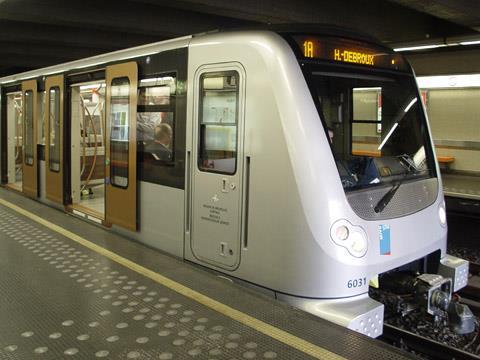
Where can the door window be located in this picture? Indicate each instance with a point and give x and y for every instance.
(29, 145)
(218, 122)
(119, 132)
(54, 129)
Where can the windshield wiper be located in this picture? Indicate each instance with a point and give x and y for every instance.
(385, 200)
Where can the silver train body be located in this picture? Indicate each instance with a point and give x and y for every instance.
(281, 219)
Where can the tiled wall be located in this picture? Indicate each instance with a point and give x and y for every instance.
(454, 114)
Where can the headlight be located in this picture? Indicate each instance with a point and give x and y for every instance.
(351, 237)
(442, 214)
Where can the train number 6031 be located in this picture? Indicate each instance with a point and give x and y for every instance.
(354, 283)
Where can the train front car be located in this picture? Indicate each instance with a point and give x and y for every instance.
(387, 220)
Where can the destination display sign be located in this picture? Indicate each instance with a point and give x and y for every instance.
(348, 52)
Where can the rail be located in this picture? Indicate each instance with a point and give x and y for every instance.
(423, 345)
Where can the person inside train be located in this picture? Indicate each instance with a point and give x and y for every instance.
(160, 148)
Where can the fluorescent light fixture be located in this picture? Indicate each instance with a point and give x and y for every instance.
(155, 80)
(414, 100)
(476, 42)
(388, 136)
(420, 47)
(367, 89)
(449, 81)
(7, 82)
(91, 87)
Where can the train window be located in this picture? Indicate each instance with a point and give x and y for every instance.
(218, 122)
(41, 117)
(28, 111)
(54, 133)
(119, 131)
(156, 126)
(368, 116)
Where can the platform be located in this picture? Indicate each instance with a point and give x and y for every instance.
(74, 290)
(461, 186)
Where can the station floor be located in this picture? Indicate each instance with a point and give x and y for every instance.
(70, 289)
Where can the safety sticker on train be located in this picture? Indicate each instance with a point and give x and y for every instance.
(384, 236)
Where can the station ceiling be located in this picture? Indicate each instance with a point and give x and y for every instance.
(35, 33)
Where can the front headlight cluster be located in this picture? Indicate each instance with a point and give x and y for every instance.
(351, 237)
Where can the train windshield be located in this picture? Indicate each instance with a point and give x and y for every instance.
(374, 122)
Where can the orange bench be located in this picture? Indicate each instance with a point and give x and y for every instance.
(445, 161)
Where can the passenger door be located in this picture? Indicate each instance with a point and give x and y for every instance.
(121, 145)
(217, 165)
(30, 182)
(54, 86)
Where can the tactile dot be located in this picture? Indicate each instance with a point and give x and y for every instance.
(270, 355)
(172, 312)
(113, 338)
(94, 324)
(122, 325)
(165, 356)
(249, 355)
(163, 333)
(83, 337)
(199, 342)
(106, 297)
(215, 336)
(169, 325)
(71, 351)
(142, 340)
(185, 319)
(234, 336)
(133, 303)
(41, 350)
(139, 317)
(133, 355)
(117, 303)
(163, 299)
(137, 293)
(231, 345)
(183, 333)
(159, 306)
(56, 335)
(218, 328)
(127, 310)
(251, 345)
(194, 352)
(102, 353)
(202, 320)
(67, 323)
(178, 342)
(142, 287)
(151, 325)
(152, 293)
(10, 348)
(199, 328)
(188, 312)
(147, 299)
(215, 352)
(27, 334)
(156, 317)
(144, 310)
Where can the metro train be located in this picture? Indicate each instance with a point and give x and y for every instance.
(299, 162)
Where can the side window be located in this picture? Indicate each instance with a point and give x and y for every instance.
(119, 132)
(156, 125)
(54, 126)
(218, 122)
(28, 111)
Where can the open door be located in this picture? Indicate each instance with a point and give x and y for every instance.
(29, 94)
(121, 145)
(54, 86)
(217, 167)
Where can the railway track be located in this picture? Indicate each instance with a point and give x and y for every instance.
(423, 346)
